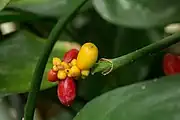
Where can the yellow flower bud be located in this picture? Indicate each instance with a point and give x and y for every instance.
(65, 65)
(56, 61)
(70, 65)
(73, 62)
(55, 68)
(61, 74)
(67, 71)
(60, 67)
(69, 74)
(87, 56)
(85, 72)
(74, 72)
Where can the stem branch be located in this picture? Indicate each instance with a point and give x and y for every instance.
(107, 65)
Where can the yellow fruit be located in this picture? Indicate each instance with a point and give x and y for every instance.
(65, 65)
(87, 56)
(73, 62)
(55, 68)
(74, 72)
(61, 75)
(85, 72)
(56, 61)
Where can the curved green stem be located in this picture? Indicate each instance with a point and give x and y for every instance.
(107, 65)
(38, 73)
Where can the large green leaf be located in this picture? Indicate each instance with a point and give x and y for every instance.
(42, 7)
(138, 13)
(154, 100)
(19, 55)
(3, 3)
(53, 8)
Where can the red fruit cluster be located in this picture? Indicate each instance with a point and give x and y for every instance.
(171, 64)
(66, 90)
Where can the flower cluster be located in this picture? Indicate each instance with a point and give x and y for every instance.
(75, 65)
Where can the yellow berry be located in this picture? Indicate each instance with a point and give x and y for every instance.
(74, 71)
(56, 61)
(85, 72)
(73, 62)
(61, 75)
(87, 56)
(65, 65)
(55, 68)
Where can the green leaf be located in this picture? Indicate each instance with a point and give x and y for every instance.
(41, 7)
(138, 13)
(52, 8)
(19, 55)
(157, 99)
(3, 4)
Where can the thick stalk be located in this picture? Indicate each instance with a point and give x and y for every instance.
(75, 5)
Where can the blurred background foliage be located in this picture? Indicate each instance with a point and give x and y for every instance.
(117, 27)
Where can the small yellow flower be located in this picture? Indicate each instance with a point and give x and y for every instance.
(85, 72)
(69, 74)
(56, 61)
(70, 65)
(55, 68)
(61, 74)
(67, 71)
(60, 67)
(65, 65)
(73, 62)
(74, 72)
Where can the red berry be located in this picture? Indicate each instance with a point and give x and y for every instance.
(52, 76)
(66, 91)
(171, 64)
(70, 55)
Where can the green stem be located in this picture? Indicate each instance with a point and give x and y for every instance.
(39, 70)
(107, 65)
